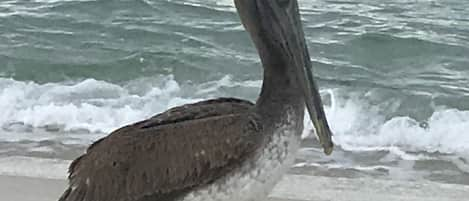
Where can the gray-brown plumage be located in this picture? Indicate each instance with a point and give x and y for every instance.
(176, 147)
(193, 147)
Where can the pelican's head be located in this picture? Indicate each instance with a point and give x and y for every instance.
(276, 30)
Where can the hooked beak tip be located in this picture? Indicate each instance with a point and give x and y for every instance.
(328, 149)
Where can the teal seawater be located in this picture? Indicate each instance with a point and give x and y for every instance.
(394, 75)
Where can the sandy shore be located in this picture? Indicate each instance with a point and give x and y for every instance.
(291, 188)
(30, 189)
(312, 188)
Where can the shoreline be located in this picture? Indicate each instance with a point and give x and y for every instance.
(290, 188)
(19, 188)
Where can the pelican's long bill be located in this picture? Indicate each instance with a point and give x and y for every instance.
(282, 18)
(302, 63)
(275, 27)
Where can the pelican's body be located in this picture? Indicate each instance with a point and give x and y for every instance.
(256, 175)
(216, 150)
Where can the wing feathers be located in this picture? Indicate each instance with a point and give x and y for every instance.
(157, 159)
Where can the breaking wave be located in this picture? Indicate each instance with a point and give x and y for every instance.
(93, 106)
(358, 125)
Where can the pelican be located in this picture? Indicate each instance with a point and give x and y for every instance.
(223, 149)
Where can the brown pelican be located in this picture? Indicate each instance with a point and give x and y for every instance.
(221, 149)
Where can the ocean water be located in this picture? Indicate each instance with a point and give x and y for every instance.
(394, 76)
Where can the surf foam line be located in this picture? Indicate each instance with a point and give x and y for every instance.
(34, 167)
(357, 127)
(89, 105)
(99, 107)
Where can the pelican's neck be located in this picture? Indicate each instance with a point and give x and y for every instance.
(280, 90)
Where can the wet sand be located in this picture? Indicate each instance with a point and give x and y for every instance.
(313, 188)
(291, 188)
(30, 189)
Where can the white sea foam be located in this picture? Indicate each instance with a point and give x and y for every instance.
(92, 105)
(34, 167)
(359, 126)
(99, 106)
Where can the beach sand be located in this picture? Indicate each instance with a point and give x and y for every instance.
(14, 188)
(291, 188)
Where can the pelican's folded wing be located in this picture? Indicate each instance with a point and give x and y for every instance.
(166, 155)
